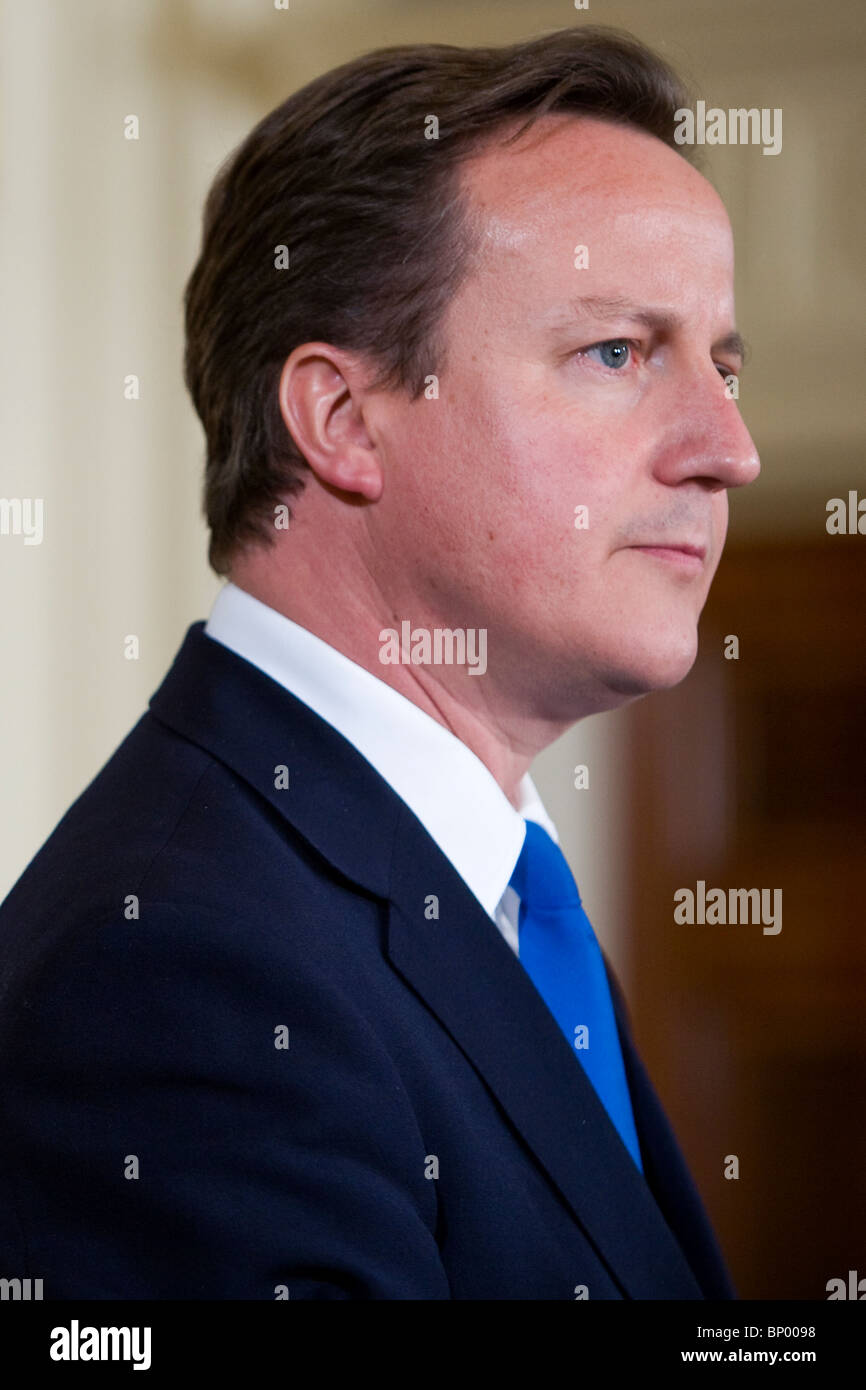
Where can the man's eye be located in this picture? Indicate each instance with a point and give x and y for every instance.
(614, 353)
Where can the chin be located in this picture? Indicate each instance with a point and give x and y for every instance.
(658, 668)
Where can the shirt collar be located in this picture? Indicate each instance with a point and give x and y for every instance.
(449, 789)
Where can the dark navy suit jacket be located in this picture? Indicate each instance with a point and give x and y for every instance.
(427, 1133)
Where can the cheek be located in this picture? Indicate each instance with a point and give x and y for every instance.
(561, 450)
(493, 470)
(569, 481)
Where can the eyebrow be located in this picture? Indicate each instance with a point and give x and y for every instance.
(595, 306)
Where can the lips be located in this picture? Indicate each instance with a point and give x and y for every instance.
(697, 552)
(683, 559)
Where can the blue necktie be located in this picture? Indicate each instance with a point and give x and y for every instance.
(562, 957)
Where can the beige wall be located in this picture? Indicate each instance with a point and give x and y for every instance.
(99, 233)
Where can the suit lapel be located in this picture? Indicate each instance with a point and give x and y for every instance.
(455, 962)
(458, 961)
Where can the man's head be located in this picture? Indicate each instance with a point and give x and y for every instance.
(441, 379)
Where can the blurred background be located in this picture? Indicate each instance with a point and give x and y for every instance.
(750, 774)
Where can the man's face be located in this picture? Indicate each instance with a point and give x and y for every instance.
(599, 387)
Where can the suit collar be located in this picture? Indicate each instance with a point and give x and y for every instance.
(341, 807)
(447, 786)
(336, 801)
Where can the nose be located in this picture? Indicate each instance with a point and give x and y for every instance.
(710, 440)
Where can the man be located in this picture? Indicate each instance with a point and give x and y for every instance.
(299, 999)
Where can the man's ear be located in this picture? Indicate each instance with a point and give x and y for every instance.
(320, 394)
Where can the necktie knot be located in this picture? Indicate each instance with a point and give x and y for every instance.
(542, 879)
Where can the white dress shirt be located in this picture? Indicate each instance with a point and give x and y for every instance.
(454, 796)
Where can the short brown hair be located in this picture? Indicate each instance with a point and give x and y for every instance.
(379, 237)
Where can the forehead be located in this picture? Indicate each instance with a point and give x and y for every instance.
(569, 180)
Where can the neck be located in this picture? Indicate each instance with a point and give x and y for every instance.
(351, 620)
